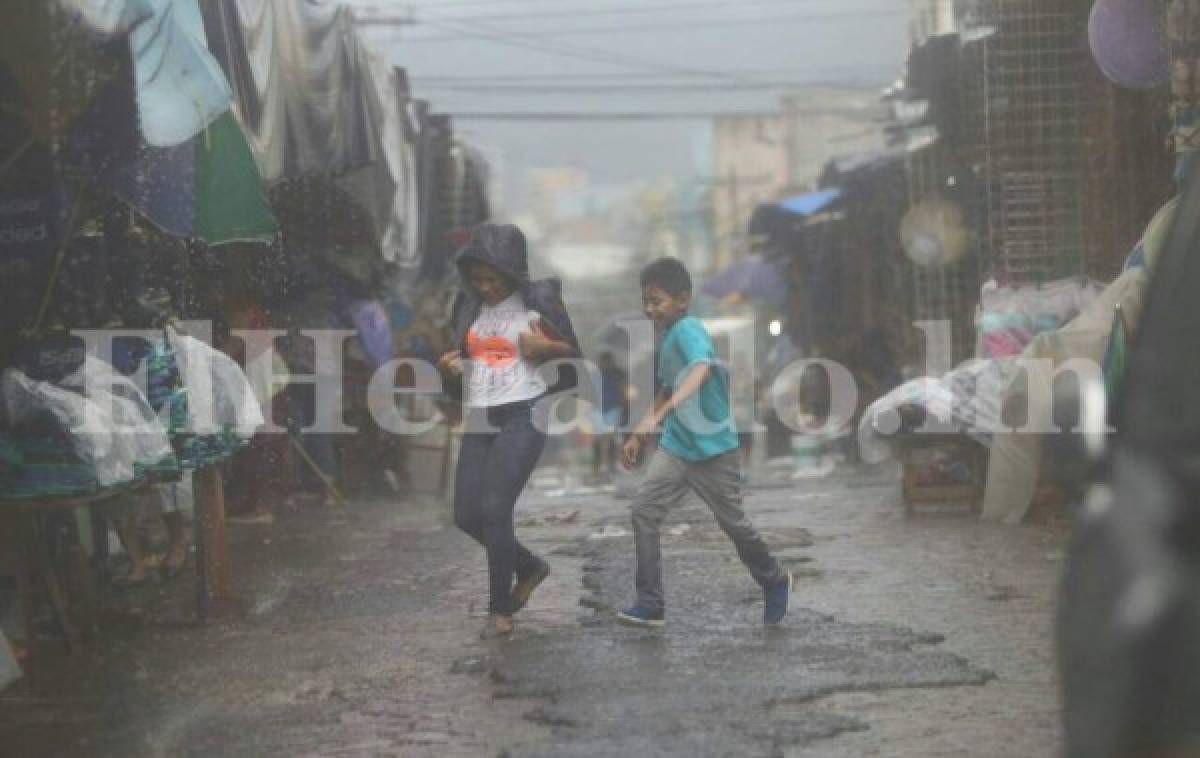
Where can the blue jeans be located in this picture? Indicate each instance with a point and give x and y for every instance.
(493, 468)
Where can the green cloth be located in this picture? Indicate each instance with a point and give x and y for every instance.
(231, 205)
(703, 427)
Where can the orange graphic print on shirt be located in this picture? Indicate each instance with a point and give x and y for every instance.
(496, 351)
(496, 372)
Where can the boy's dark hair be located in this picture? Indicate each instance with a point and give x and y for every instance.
(669, 275)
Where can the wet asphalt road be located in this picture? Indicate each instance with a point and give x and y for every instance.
(908, 637)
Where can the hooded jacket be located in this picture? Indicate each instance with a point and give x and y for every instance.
(503, 247)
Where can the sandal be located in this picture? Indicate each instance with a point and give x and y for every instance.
(524, 588)
(497, 627)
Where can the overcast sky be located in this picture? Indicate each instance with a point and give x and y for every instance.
(750, 49)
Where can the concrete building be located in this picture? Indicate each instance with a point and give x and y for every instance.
(750, 166)
(928, 18)
(760, 158)
(829, 123)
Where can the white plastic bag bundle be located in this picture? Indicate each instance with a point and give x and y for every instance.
(220, 397)
(967, 400)
(137, 430)
(109, 420)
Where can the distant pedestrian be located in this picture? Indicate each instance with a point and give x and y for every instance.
(698, 450)
(505, 326)
(611, 416)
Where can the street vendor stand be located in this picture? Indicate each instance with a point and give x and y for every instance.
(921, 486)
(70, 587)
(104, 110)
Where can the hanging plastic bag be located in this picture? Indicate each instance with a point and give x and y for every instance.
(138, 434)
(220, 397)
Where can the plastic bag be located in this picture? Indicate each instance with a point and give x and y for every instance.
(111, 427)
(220, 397)
(374, 331)
(1008, 318)
(967, 400)
(138, 434)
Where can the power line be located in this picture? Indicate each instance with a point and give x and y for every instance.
(475, 3)
(592, 77)
(499, 36)
(574, 116)
(677, 26)
(616, 88)
(637, 9)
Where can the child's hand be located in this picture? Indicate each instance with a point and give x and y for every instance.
(536, 345)
(631, 452)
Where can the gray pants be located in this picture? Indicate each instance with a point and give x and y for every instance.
(718, 483)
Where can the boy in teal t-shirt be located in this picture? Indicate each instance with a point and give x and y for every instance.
(698, 449)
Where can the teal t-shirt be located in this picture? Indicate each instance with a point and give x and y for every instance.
(703, 427)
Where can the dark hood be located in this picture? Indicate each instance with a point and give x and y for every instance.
(501, 246)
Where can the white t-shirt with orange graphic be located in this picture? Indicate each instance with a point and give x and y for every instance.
(496, 372)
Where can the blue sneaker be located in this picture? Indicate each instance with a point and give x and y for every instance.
(775, 598)
(639, 616)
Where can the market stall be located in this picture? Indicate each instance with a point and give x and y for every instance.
(96, 142)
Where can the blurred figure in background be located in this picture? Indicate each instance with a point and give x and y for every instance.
(610, 417)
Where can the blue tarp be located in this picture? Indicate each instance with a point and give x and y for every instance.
(812, 203)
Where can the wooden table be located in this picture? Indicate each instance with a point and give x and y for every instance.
(72, 594)
(914, 455)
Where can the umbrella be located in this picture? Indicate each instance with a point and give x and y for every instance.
(188, 169)
(753, 278)
(208, 188)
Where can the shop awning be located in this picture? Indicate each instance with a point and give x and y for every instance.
(812, 203)
(783, 221)
(207, 188)
(316, 101)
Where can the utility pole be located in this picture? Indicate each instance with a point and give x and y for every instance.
(735, 212)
